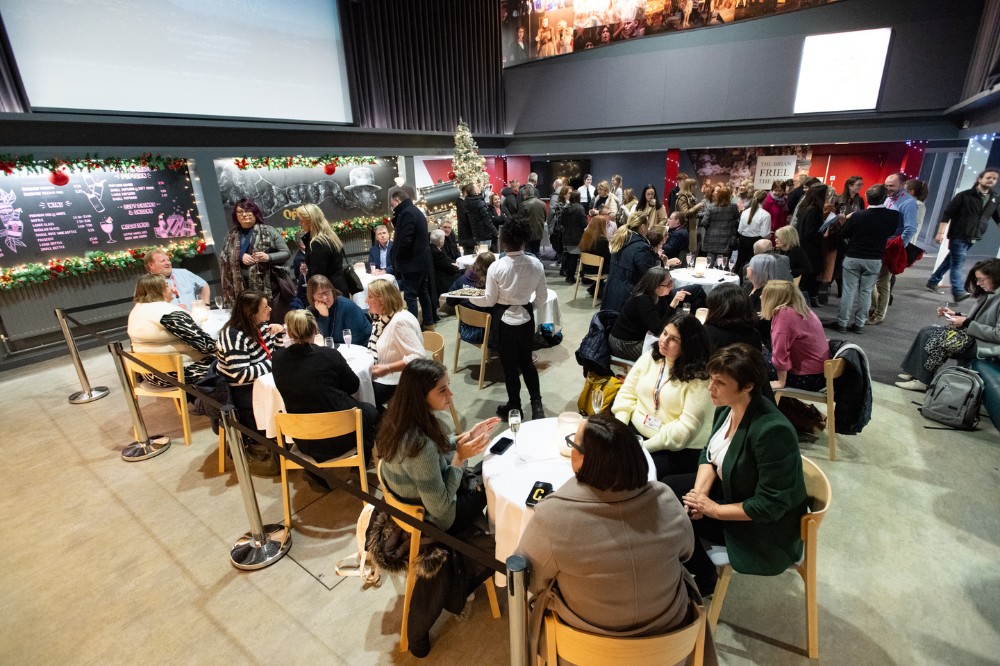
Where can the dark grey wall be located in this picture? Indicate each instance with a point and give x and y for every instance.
(636, 169)
(741, 72)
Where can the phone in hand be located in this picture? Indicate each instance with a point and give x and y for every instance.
(502, 445)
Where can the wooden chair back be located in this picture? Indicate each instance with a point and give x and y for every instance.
(434, 344)
(587, 259)
(165, 363)
(471, 317)
(483, 320)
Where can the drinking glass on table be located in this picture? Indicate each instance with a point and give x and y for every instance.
(685, 308)
(596, 399)
(690, 259)
(347, 336)
(514, 421)
(374, 268)
(219, 302)
(331, 343)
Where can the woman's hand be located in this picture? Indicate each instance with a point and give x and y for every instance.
(303, 269)
(261, 257)
(671, 262)
(699, 505)
(468, 446)
(945, 312)
(380, 370)
(322, 308)
(481, 428)
(681, 295)
(248, 260)
(958, 322)
(275, 329)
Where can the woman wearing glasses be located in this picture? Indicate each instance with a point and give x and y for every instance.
(974, 336)
(653, 302)
(336, 313)
(253, 255)
(631, 583)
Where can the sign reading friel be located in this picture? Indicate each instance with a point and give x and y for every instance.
(772, 168)
(98, 210)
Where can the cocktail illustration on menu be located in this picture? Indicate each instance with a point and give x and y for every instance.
(10, 217)
(95, 190)
(107, 226)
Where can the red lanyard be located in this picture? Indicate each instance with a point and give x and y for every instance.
(263, 345)
(656, 391)
(173, 287)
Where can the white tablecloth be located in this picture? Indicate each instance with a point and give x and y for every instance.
(216, 320)
(361, 298)
(547, 314)
(508, 480)
(267, 400)
(465, 261)
(713, 277)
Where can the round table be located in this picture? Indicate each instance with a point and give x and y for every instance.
(549, 313)
(215, 321)
(267, 400)
(713, 277)
(466, 260)
(509, 477)
(361, 298)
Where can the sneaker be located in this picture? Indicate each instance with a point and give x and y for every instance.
(835, 325)
(905, 376)
(912, 385)
(875, 320)
(961, 297)
(858, 330)
(932, 288)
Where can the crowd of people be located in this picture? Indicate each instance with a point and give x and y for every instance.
(697, 400)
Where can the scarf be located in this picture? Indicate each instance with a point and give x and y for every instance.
(258, 277)
(379, 323)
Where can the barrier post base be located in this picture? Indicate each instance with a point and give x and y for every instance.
(249, 554)
(152, 447)
(96, 393)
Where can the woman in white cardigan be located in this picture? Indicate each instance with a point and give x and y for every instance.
(755, 223)
(665, 400)
(396, 338)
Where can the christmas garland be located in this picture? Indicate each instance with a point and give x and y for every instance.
(10, 163)
(92, 262)
(341, 226)
(328, 162)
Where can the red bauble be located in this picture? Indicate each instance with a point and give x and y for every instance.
(329, 169)
(451, 175)
(59, 177)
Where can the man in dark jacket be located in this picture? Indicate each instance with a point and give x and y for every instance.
(411, 257)
(478, 214)
(466, 239)
(677, 241)
(965, 221)
(508, 204)
(532, 209)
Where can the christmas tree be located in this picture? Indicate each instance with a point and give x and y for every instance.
(468, 165)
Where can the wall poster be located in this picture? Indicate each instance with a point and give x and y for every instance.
(730, 166)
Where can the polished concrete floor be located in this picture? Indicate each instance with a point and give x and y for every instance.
(113, 562)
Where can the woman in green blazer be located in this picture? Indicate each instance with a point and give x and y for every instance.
(754, 452)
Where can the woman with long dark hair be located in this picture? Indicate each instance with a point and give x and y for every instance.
(811, 239)
(253, 254)
(646, 312)
(755, 224)
(650, 207)
(731, 318)
(664, 399)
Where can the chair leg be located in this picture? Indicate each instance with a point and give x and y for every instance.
(285, 496)
(831, 426)
(715, 608)
(404, 638)
(458, 343)
(185, 420)
(597, 289)
(222, 451)
(579, 272)
(482, 363)
(491, 594)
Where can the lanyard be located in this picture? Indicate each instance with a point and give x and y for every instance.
(260, 338)
(656, 391)
(173, 287)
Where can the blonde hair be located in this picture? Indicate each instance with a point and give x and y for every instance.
(388, 293)
(603, 185)
(687, 186)
(150, 288)
(635, 222)
(779, 294)
(320, 230)
(301, 325)
(148, 259)
(789, 237)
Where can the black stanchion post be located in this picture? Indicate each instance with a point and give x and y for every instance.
(144, 446)
(517, 609)
(88, 394)
(263, 545)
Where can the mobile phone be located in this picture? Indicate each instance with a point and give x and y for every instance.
(502, 445)
(538, 493)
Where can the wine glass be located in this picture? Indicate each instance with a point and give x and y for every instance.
(724, 263)
(107, 226)
(347, 336)
(596, 399)
(219, 302)
(685, 308)
(514, 421)
(331, 343)
(690, 260)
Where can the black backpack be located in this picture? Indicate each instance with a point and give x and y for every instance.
(954, 398)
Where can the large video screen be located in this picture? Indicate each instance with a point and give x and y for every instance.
(252, 59)
(534, 29)
(858, 57)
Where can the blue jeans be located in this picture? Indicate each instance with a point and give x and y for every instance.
(953, 261)
(859, 280)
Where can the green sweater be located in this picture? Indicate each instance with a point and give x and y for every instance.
(763, 470)
(428, 477)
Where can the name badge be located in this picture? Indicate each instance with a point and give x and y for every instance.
(652, 422)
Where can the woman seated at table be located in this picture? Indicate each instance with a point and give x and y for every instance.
(605, 549)
(444, 269)
(798, 344)
(156, 326)
(473, 278)
(336, 313)
(748, 492)
(595, 241)
(396, 338)
(631, 257)
(312, 379)
(244, 349)
(665, 400)
(421, 463)
(646, 312)
(730, 319)
(976, 335)
(786, 242)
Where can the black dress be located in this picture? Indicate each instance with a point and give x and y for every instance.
(327, 261)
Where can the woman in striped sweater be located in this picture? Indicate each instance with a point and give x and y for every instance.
(244, 350)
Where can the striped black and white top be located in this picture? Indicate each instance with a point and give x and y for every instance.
(241, 358)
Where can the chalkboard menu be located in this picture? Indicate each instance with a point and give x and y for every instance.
(98, 210)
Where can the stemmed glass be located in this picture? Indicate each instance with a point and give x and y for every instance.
(219, 302)
(331, 343)
(347, 336)
(596, 399)
(514, 421)
(690, 260)
(723, 263)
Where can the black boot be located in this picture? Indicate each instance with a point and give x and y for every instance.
(537, 412)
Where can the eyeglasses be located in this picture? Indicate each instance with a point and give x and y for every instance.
(981, 280)
(667, 285)
(245, 213)
(324, 293)
(573, 445)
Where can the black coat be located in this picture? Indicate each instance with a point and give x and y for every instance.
(464, 227)
(325, 260)
(411, 248)
(627, 268)
(508, 205)
(451, 247)
(574, 223)
(479, 218)
(602, 249)
(798, 261)
(497, 217)
(969, 216)
(444, 272)
(811, 239)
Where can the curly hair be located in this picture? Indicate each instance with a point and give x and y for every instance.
(695, 349)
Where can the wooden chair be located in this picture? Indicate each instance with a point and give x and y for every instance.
(820, 495)
(417, 512)
(434, 345)
(586, 649)
(482, 320)
(796, 280)
(587, 259)
(319, 426)
(831, 370)
(164, 363)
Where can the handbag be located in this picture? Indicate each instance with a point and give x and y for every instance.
(351, 278)
(952, 341)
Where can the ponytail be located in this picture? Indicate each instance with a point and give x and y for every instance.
(618, 240)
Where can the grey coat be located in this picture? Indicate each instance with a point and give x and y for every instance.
(984, 325)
